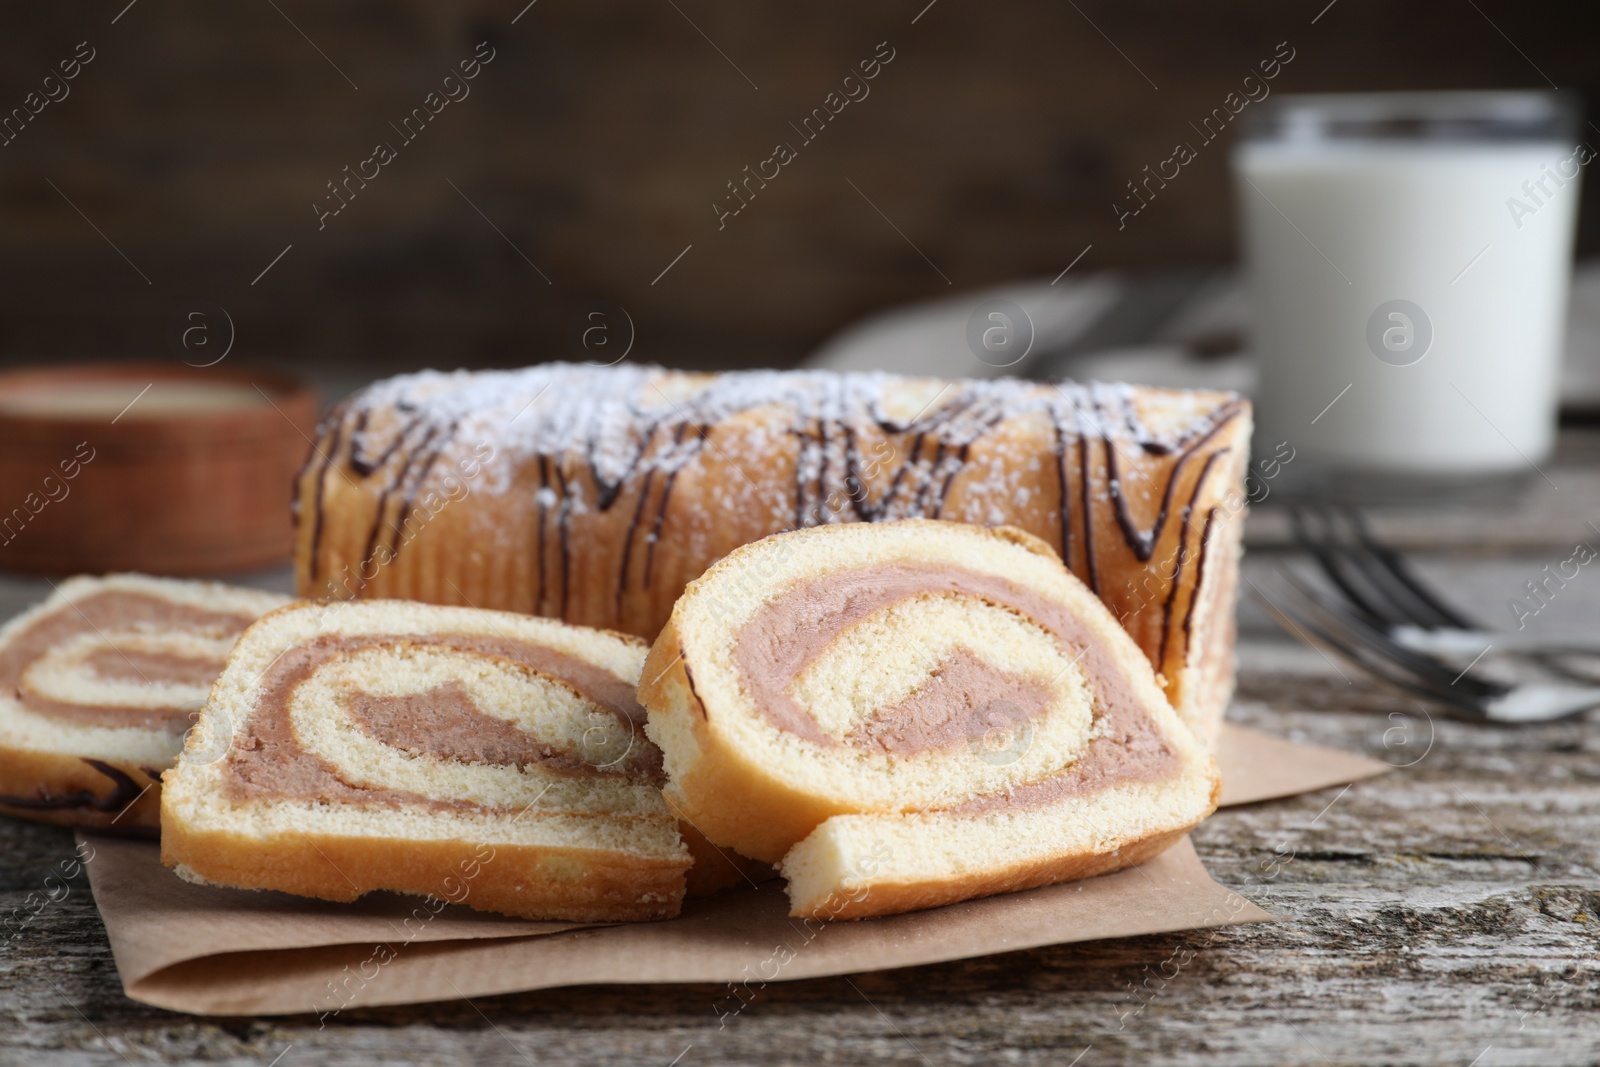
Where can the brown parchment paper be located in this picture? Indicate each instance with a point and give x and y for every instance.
(229, 952)
(1257, 766)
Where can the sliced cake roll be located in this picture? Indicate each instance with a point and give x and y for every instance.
(596, 494)
(482, 757)
(98, 685)
(908, 714)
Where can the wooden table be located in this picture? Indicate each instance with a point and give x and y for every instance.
(1448, 912)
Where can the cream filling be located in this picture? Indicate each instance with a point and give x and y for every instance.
(992, 730)
(324, 726)
(984, 739)
(67, 673)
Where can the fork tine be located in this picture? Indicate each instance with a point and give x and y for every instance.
(1374, 577)
(1369, 661)
(1390, 563)
(1436, 672)
(1326, 549)
(1388, 570)
(1421, 664)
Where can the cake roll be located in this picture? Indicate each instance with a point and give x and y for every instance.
(910, 714)
(98, 685)
(484, 758)
(595, 495)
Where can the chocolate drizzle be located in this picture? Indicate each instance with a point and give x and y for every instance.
(409, 501)
(325, 456)
(1064, 496)
(360, 465)
(661, 507)
(124, 791)
(409, 457)
(539, 500)
(633, 529)
(1087, 483)
(609, 440)
(1183, 555)
(1143, 542)
(563, 535)
(1199, 580)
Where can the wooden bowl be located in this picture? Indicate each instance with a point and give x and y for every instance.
(152, 467)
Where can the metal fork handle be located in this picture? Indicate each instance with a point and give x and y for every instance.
(1541, 703)
(1467, 643)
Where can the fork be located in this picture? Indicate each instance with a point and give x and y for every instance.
(1310, 613)
(1388, 595)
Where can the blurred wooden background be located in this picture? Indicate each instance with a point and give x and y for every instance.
(598, 138)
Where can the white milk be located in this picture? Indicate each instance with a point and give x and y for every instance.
(1333, 230)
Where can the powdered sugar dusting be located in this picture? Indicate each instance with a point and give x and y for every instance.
(608, 415)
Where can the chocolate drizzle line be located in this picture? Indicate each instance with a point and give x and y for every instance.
(326, 459)
(124, 792)
(950, 478)
(1064, 494)
(1086, 487)
(1199, 577)
(822, 461)
(538, 499)
(563, 532)
(363, 467)
(409, 458)
(1183, 552)
(913, 458)
(627, 540)
(606, 493)
(327, 430)
(688, 676)
(1143, 543)
(855, 489)
(834, 421)
(666, 495)
(409, 501)
(298, 487)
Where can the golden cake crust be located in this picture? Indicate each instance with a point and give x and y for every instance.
(890, 899)
(597, 494)
(343, 868)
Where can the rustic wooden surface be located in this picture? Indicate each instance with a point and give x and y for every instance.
(1448, 912)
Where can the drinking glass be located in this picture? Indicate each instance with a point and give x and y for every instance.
(1409, 256)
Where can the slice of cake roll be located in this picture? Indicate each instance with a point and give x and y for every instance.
(480, 757)
(911, 714)
(98, 685)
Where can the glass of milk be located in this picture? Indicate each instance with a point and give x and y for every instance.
(1409, 256)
